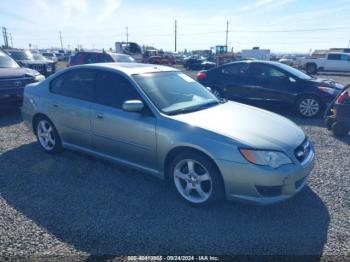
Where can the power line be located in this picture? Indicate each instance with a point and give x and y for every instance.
(4, 32)
(127, 35)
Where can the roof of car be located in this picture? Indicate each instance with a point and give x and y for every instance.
(132, 68)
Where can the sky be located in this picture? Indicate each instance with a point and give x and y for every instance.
(279, 25)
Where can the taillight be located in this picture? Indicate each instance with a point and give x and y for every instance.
(201, 75)
(344, 98)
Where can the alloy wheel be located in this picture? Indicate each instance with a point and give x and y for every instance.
(193, 181)
(46, 135)
(309, 107)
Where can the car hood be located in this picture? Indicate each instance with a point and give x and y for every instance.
(16, 72)
(327, 83)
(248, 125)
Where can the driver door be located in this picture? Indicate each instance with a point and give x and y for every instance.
(127, 136)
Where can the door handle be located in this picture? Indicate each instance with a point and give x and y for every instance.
(99, 116)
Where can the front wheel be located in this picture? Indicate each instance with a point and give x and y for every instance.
(196, 179)
(308, 106)
(311, 69)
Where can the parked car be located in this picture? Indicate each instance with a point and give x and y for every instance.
(161, 121)
(39, 57)
(339, 62)
(122, 58)
(162, 60)
(13, 78)
(337, 117)
(80, 58)
(25, 58)
(193, 63)
(51, 56)
(271, 82)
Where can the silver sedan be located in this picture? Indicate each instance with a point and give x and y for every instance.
(162, 122)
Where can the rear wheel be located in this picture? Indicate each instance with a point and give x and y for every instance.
(308, 106)
(340, 129)
(311, 69)
(196, 179)
(47, 135)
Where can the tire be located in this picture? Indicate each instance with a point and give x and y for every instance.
(309, 106)
(47, 135)
(311, 69)
(329, 122)
(196, 179)
(340, 129)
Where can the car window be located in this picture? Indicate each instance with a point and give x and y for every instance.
(113, 90)
(91, 58)
(345, 58)
(104, 58)
(241, 69)
(262, 70)
(334, 57)
(76, 84)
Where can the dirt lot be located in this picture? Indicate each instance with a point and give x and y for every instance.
(72, 204)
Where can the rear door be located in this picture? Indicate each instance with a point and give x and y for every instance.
(337, 62)
(71, 103)
(235, 81)
(128, 136)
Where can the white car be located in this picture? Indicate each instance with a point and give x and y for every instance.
(339, 62)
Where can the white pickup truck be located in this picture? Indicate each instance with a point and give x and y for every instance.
(332, 62)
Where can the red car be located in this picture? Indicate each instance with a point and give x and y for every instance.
(162, 60)
(80, 58)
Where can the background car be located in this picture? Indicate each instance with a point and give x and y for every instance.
(161, 60)
(80, 58)
(26, 59)
(51, 56)
(13, 78)
(122, 58)
(271, 82)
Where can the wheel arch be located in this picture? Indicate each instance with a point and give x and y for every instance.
(180, 149)
(35, 119)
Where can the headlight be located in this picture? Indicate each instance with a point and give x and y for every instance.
(328, 90)
(39, 77)
(273, 159)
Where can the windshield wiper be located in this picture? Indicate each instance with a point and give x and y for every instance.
(194, 108)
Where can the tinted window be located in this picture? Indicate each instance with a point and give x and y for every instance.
(113, 90)
(76, 83)
(97, 58)
(334, 57)
(344, 58)
(241, 69)
(261, 70)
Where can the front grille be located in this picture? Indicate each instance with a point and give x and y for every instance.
(303, 151)
(15, 82)
(37, 67)
(269, 191)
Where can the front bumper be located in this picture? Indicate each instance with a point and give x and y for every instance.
(11, 96)
(264, 185)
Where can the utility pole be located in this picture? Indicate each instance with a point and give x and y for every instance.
(226, 34)
(175, 35)
(60, 36)
(127, 35)
(4, 32)
(11, 40)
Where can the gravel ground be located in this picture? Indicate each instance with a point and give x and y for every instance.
(76, 206)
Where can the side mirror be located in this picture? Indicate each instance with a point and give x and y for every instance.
(133, 106)
(209, 89)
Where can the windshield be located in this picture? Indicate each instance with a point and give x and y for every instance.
(38, 57)
(295, 72)
(22, 55)
(123, 58)
(175, 93)
(7, 62)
